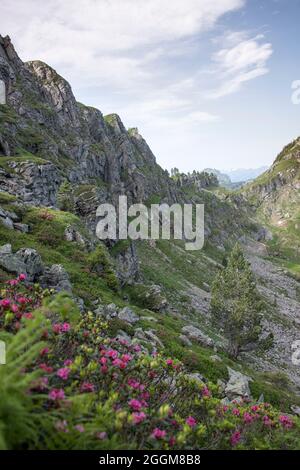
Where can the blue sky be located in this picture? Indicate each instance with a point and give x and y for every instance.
(207, 82)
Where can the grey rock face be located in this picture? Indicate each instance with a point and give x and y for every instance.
(56, 278)
(35, 183)
(238, 385)
(128, 265)
(194, 333)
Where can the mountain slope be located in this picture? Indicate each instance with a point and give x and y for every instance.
(53, 149)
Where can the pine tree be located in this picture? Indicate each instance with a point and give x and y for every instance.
(65, 198)
(236, 303)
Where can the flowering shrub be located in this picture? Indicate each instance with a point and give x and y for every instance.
(19, 299)
(97, 392)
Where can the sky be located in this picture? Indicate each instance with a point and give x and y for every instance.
(208, 83)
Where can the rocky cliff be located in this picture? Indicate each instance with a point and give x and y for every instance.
(43, 119)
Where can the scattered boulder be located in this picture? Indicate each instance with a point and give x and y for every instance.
(222, 385)
(238, 385)
(11, 262)
(123, 336)
(7, 218)
(56, 277)
(197, 377)
(148, 336)
(296, 410)
(21, 227)
(185, 341)
(111, 311)
(33, 262)
(7, 222)
(126, 314)
(149, 318)
(159, 302)
(6, 249)
(152, 337)
(216, 358)
(72, 234)
(194, 333)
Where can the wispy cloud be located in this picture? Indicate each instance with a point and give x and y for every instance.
(241, 61)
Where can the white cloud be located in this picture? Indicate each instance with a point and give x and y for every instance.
(77, 34)
(244, 60)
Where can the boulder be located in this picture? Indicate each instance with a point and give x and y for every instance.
(6, 249)
(159, 302)
(73, 235)
(21, 227)
(153, 338)
(123, 336)
(216, 358)
(196, 377)
(237, 385)
(296, 410)
(194, 333)
(56, 278)
(10, 262)
(127, 315)
(7, 222)
(32, 261)
(185, 341)
(149, 337)
(110, 311)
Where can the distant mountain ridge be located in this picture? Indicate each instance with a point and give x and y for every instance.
(245, 174)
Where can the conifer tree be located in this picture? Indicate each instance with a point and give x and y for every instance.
(236, 304)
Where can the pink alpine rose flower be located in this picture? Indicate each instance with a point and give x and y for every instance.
(191, 421)
(235, 438)
(158, 433)
(63, 373)
(135, 404)
(57, 394)
(138, 417)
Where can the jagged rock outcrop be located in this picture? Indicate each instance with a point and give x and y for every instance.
(36, 183)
